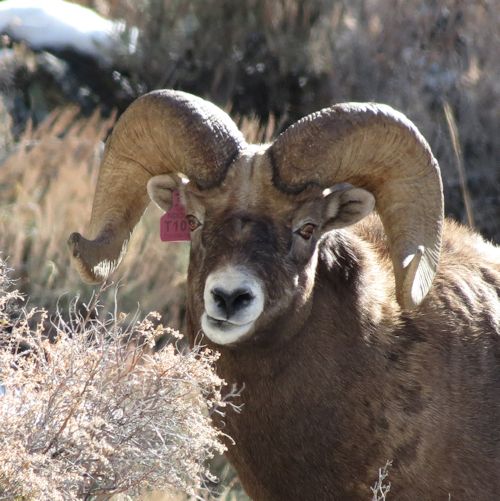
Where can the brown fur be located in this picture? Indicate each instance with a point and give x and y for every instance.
(338, 379)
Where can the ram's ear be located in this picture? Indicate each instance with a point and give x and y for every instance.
(345, 205)
(160, 190)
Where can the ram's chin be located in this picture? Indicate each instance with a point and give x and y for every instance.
(224, 332)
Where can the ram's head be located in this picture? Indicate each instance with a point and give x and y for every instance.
(256, 212)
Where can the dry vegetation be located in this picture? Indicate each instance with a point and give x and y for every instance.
(96, 410)
(382, 486)
(46, 188)
(276, 60)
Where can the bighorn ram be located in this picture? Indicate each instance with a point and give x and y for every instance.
(357, 345)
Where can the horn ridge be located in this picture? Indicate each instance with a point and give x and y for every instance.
(377, 148)
(162, 132)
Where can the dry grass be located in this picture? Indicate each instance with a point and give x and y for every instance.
(6, 139)
(98, 411)
(457, 149)
(46, 190)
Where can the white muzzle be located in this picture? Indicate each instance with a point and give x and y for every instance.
(234, 299)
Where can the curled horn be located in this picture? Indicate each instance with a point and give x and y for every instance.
(377, 148)
(163, 132)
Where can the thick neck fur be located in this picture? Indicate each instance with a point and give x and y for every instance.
(344, 388)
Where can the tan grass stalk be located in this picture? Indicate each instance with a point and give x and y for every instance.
(457, 149)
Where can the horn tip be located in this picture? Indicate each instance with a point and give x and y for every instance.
(85, 270)
(419, 269)
(73, 244)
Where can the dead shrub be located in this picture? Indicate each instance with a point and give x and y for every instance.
(97, 411)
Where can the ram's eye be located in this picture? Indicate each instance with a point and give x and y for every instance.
(306, 231)
(193, 222)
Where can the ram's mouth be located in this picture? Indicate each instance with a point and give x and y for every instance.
(224, 323)
(224, 331)
(220, 324)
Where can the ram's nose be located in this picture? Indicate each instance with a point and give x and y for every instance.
(234, 300)
(231, 302)
(233, 295)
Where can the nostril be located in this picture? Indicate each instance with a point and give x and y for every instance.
(242, 300)
(231, 302)
(219, 298)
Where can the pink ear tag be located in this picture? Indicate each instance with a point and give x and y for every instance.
(173, 224)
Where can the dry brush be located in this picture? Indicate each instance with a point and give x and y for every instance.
(96, 410)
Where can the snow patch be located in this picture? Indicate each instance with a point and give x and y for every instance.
(58, 25)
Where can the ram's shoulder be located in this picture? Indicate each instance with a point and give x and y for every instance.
(461, 245)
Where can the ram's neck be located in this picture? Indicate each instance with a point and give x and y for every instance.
(312, 384)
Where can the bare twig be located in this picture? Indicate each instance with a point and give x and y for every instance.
(381, 489)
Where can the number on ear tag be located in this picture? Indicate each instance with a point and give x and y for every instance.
(173, 224)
